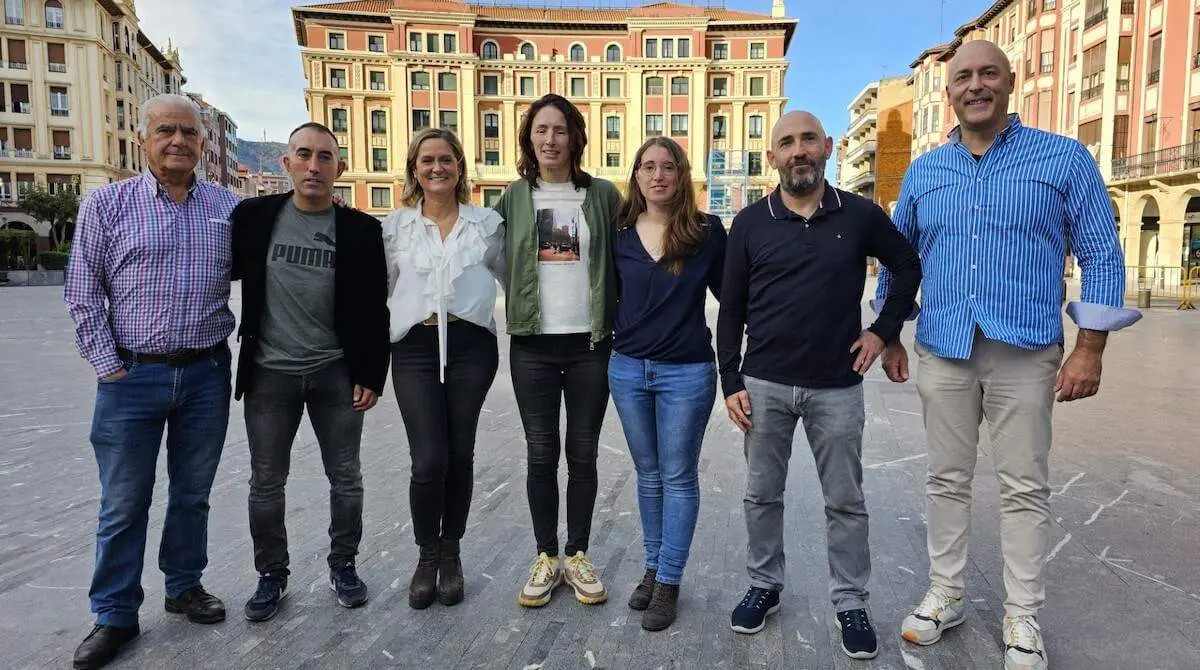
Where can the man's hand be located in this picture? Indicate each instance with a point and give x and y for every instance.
(738, 406)
(1080, 374)
(895, 363)
(337, 200)
(116, 376)
(869, 346)
(364, 398)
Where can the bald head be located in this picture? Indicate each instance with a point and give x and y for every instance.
(791, 122)
(980, 83)
(979, 51)
(799, 149)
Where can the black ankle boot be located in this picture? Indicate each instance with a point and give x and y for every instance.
(640, 599)
(450, 575)
(662, 611)
(423, 588)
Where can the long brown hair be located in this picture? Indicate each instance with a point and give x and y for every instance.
(687, 231)
(527, 165)
(412, 188)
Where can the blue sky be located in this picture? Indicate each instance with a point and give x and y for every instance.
(242, 54)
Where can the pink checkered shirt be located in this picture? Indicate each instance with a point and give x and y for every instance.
(147, 273)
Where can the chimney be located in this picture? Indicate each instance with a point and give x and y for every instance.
(777, 9)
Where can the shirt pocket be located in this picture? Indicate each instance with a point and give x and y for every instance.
(211, 249)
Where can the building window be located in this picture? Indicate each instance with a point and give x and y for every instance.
(491, 84)
(14, 12)
(679, 85)
(1155, 69)
(755, 165)
(344, 156)
(345, 193)
(612, 88)
(414, 41)
(685, 47)
(718, 128)
(61, 139)
(1089, 133)
(527, 88)
(756, 127)
(527, 51)
(1093, 73)
(668, 47)
(339, 120)
(1049, 5)
(381, 197)
(612, 128)
(376, 43)
(578, 87)
(651, 48)
(577, 55)
(489, 51)
(337, 78)
(654, 124)
(720, 51)
(420, 119)
(758, 50)
(753, 195)
(379, 160)
(679, 125)
(337, 41)
(613, 53)
(450, 43)
(491, 125)
(378, 122)
(56, 56)
(491, 196)
(654, 85)
(54, 14)
(448, 121)
(1124, 53)
(720, 87)
(420, 81)
(431, 42)
(491, 158)
(1150, 135)
(757, 86)
(378, 81)
(612, 160)
(447, 81)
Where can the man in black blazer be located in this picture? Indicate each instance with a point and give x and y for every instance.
(314, 334)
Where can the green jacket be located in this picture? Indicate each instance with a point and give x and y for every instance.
(522, 299)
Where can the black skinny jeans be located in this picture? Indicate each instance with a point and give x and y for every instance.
(545, 370)
(441, 420)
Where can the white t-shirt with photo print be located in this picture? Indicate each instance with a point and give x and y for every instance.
(563, 250)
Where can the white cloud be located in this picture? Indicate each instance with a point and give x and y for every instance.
(241, 55)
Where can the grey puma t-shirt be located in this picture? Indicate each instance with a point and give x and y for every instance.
(297, 329)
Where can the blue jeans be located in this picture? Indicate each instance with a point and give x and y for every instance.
(192, 404)
(664, 408)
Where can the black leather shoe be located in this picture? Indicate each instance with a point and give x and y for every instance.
(101, 646)
(199, 605)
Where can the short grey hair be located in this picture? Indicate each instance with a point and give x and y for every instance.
(168, 100)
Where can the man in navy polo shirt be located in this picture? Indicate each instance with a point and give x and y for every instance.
(795, 271)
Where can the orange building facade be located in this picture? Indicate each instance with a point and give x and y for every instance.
(379, 70)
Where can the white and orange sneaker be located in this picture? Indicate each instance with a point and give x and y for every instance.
(1023, 649)
(937, 612)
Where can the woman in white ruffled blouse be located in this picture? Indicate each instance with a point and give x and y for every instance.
(444, 256)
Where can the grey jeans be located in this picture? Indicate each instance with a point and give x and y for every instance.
(833, 421)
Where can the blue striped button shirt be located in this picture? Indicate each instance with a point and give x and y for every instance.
(992, 235)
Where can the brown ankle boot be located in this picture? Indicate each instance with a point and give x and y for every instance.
(450, 575)
(640, 599)
(423, 588)
(662, 611)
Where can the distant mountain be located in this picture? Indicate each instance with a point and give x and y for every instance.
(252, 154)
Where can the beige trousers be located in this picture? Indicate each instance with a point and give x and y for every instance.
(1012, 389)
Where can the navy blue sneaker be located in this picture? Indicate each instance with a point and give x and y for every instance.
(272, 588)
(351, 592)
(751, 614)
(858, 636)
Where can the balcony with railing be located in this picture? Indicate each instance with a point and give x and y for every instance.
(859, 151)
(18, 65)
(1156, 163)
(1127, 7)
(1098, 15)
(1153, 77)
(57, 67)
(62, 153)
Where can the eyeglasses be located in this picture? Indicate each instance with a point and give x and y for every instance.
(649, 169)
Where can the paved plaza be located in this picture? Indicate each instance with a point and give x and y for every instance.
(1124, 573)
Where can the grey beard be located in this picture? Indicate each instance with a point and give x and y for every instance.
(801, 186)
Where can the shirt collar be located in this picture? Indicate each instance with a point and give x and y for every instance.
(1014, 126)
(831, 201)
(153, 187)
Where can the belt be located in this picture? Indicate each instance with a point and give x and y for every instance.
(433, 320)
(178, 359)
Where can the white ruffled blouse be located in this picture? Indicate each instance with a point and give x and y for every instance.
(428, 275)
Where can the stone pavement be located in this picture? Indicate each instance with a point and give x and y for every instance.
(1124, 588)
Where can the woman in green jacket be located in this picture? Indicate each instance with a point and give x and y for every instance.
(560, 297)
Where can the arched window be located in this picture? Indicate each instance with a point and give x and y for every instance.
(54, 14)
(613, 53)
(490, 51)
(577, 53)
(527, 51)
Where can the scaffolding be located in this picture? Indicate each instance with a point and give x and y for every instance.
(727, 184)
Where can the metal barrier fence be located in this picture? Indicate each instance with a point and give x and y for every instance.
(1146, 282)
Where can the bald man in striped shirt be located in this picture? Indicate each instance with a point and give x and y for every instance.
(990, 213)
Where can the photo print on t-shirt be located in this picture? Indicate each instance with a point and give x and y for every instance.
(558, 235)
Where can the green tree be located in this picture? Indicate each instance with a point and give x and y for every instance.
(57, 209)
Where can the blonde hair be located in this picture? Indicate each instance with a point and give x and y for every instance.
(412, 188)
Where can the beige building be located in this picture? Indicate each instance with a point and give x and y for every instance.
(875, 151)
(73, 79)
(220, 163)
(378, 70)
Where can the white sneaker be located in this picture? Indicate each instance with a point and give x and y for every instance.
(544, 575)
(1023, 648)
(936, 613)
